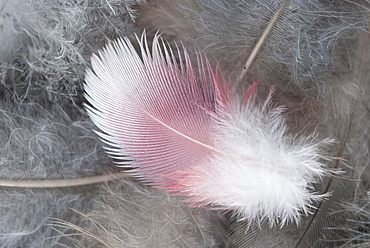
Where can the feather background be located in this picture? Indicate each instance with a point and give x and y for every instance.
(44, 133)
(316, 56)
(133, 215)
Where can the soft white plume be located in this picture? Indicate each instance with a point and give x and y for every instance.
(272, 175)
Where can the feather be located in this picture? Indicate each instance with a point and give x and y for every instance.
(129, 214)
(355, 232)
(45, 46)
(196, 137)
(299, 52)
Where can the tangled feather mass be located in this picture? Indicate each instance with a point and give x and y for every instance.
(226, 124)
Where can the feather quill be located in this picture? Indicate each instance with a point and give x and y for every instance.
(193, 135)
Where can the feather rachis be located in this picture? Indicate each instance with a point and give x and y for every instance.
(190, 134)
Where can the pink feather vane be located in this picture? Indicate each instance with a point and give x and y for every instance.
(190, 133)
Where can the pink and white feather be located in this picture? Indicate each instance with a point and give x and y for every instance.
(188, 131)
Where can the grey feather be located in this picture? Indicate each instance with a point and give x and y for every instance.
(128, 214)
(308, 37)
(47, 44)
(356, 230)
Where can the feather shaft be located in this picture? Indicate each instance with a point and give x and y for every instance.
(261, 40)
(61, 183)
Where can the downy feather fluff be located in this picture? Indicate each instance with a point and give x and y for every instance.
(192, 134)
(128, 214)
